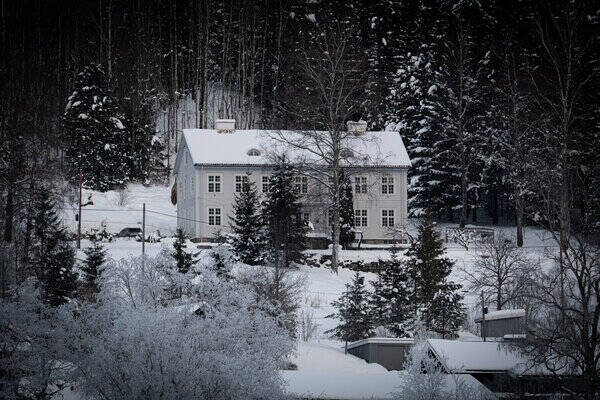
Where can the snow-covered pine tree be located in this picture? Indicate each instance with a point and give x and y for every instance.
(96, 136)
(446, 312)
(456, 114)
(285, 229)
(429, 270)
(184, 260)
(146, 152)
(408, 104)
(53, 258)
(346, 211)
(352, 310)
(95, 256)
(248, 241)
(392, 298)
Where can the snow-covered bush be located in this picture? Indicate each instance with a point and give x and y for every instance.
(129, 345)
(99, 234)
(30, 346)
(308, 325)
(425, 379)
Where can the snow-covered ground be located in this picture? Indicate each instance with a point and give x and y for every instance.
(324, 371)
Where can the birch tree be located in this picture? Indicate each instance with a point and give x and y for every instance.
(331, 81)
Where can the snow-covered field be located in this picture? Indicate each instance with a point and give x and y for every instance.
(324, 371)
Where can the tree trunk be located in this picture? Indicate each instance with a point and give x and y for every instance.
(464, 205)
(519, 218)
(336, 219)
(9, 215)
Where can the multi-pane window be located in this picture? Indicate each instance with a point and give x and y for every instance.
(266, 184)
(360, 218)
(387, 218)
(387, 185)
(306, 217)
(301, 184)
(360, 184)
(214, 216)
(214, 183)
(241, 183)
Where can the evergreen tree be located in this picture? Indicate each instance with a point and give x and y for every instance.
(281, 213)
(346, 211)
(429, 270)
(392, 299)
(446, 313)
(53, 258)
(95, 256)
(352, 309)
(145, 150)
(184, 260)
(97, 143)
(248, 240)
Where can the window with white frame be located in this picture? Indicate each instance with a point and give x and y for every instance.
(214, 216)
(306, 217)
(387, 218)
(301, 184)
(360, 218)
(360, 184)
(241, 183)
(266, 183)
(214, 184)
(387, 185)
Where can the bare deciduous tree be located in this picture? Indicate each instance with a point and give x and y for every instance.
(331, 89)
(503, 271)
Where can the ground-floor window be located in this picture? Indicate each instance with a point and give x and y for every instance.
(214, 216)
(266, 183)
(387, 218)
(360, 218)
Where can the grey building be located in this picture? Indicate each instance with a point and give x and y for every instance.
(391, 353)
(503, 324)
(212, 165)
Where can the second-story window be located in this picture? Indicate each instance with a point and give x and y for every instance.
(301, 184)
(214, 183)
(360, 184)
(266, 184)
(241, 183)
(387, 185)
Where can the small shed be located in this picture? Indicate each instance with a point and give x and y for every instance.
(389, 352)
(503, 324)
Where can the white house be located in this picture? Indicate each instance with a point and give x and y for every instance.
(213, 164)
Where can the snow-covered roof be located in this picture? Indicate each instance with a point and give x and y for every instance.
(381, 340)
(502, 314)
(470, 357)
(209, 147)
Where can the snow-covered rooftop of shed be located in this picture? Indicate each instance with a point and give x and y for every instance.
(209, 147)
(466, 357)
(381, 340)
(503, 314)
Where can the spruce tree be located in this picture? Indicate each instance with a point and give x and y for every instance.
(53, 258)
(281, 214)
(429, 271)
(248, 240)
(95, 256)
(184, 260)
(352, 309)
(97, 142)
(346, 211)
(392, 299)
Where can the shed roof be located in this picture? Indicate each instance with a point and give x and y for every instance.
(208, 147)
(503, 314)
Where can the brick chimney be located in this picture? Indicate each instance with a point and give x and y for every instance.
(357, 128)
(225, 125)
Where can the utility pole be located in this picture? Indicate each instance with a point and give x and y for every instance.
(144, 230)
(79, 216)
(482, 316)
